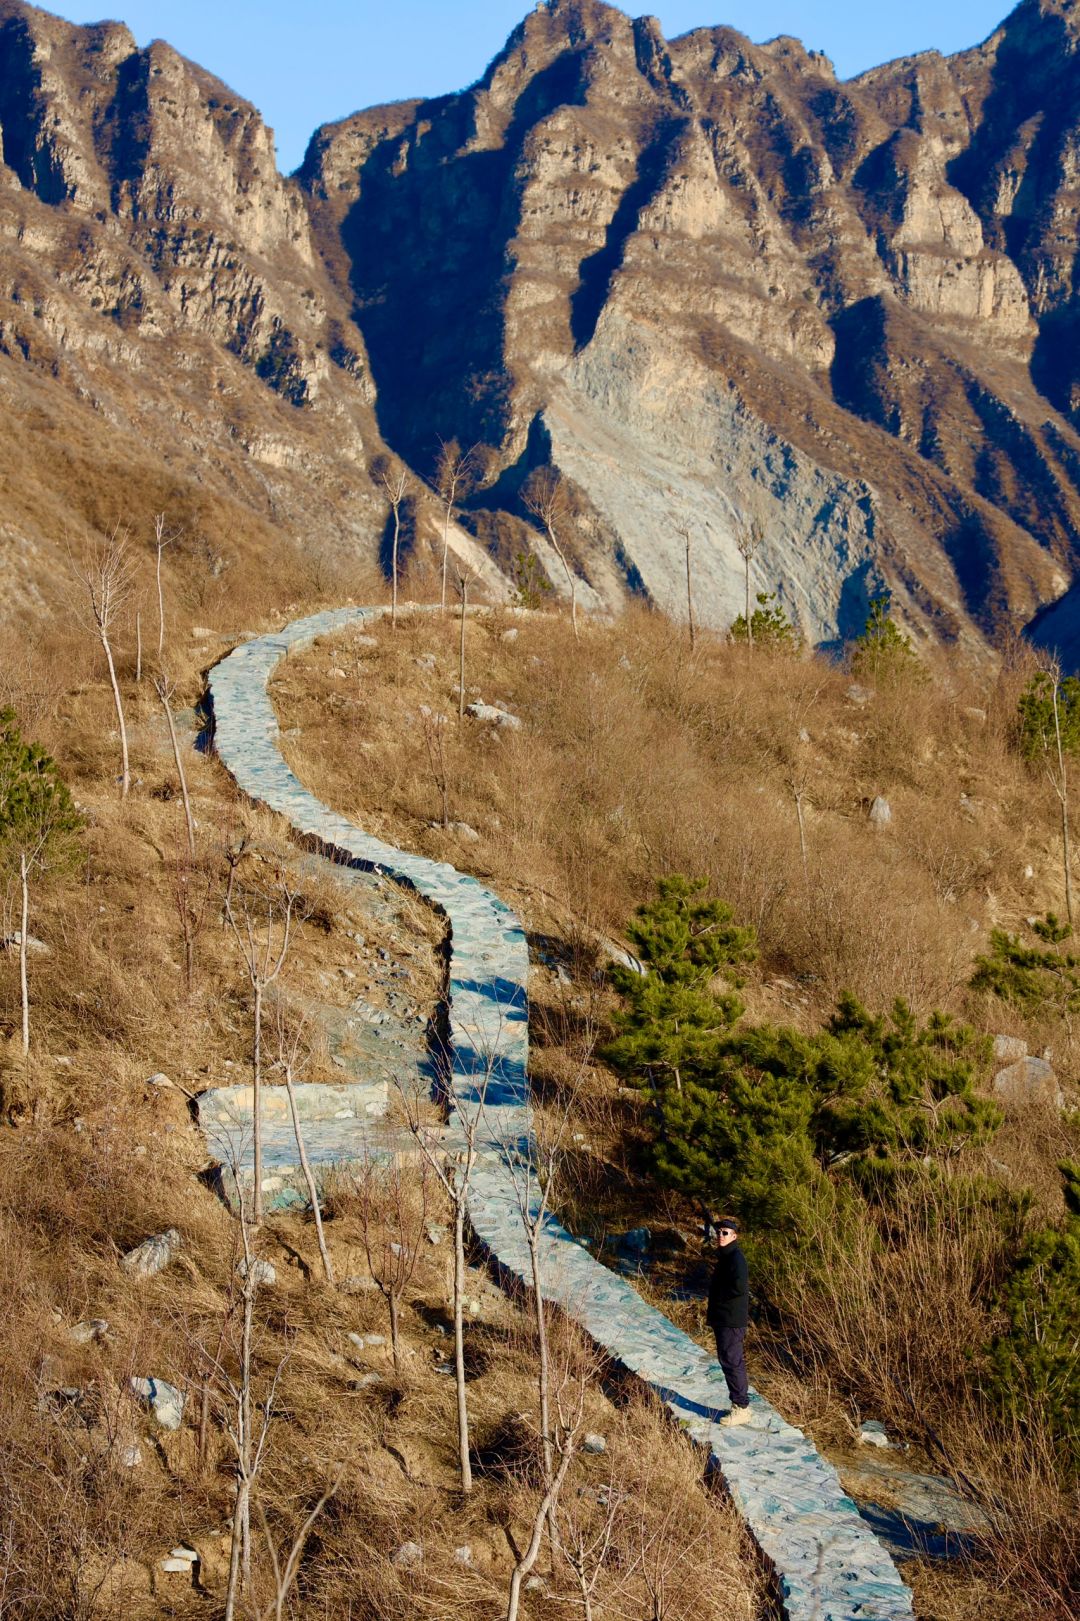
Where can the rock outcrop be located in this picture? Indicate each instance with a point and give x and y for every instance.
(703, 279)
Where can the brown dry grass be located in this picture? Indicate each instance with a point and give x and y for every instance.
(637, 758)
(92, 1159)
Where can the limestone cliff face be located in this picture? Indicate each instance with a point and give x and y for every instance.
(697, 276)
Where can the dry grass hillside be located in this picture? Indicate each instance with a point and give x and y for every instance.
(637, 756)
(97, 1153)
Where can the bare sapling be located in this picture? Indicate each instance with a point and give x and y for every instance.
(396, 486)
(533, 1176)
(434, 726)
(246, 1421)
(285, 1575)
(544, 494)
(455, 472)
(1057, 771)
(452, 1166)
(293, 1056)
(463, 593)
(165, 690)
(685, 533)
(106, 578)
(138, 646)
(750, 536)
(393, 1209)
(262, 926)
(193, 889)
(568, 1421)
(587, 1527)
(164, 537)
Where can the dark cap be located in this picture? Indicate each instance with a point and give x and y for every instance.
(729, 1221)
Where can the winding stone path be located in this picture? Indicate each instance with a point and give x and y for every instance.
(828, 1563)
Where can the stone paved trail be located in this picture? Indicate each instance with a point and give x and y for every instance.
(828, 1563)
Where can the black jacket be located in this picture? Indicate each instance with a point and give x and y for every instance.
(729, 1291)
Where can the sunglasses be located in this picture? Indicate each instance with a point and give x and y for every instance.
(726, 1232)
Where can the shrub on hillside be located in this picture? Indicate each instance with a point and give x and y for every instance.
(1036, 1362)
(769, 626)
(1036, 978)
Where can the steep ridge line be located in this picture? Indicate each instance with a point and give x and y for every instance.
(828, 1563)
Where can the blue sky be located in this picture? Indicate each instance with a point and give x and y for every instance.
(303, 66)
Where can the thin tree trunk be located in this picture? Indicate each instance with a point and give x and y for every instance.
(138, 644)
(163, 694)
(689, 593)
(802, 835)
(461, 651)
(749, 620)
(459, 1342)
(24, 948)
(545, 1380)
(160, 609)
(393, 1303)
(570, 580)
(125, 777)
(546, 1511)
(393, 570)
(256, 1101)
(1063, 795)
(445, 554)
(309, 1178)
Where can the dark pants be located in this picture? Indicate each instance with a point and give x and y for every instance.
(729, 1354)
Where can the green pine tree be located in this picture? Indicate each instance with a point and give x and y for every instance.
(882, 651)
(770, 626)
(35, 803)
(1035, 1362)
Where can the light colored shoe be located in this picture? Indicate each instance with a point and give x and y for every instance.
(737, 1416)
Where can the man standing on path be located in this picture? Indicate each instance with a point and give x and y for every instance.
(728, 1314)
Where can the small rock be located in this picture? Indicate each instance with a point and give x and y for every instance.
(94, 1328)
(880, 812)
(365, 1381)
(804, 735)
(131, 1457)
(263, 1273)
(1030, 1080)
(872, 1434)
(1010, 1048)
(35, 947)
(188, 1555)
(152, 1255)
(860, 695)
(510, 635)
(175, 1567)
(435, 1232)
(426, 661)
(410, 1556)
(463, 1555)
(636, 1241)
(593, 1444)
(535, 1584)
(365, 641)
(492, 713)
(467, 834)
(977, 715)
(165, 1401)
(199, 633)
(159, 1079)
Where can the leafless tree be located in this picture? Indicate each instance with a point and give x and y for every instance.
(434, 726)
(138, 646)
(165, 690)
(455, 473)
(463, 593)
(685, 533)
(562, 1445)
(544, 494)
(164, 537)
(751, 534)
(247, 1432)
(285, 1576)
(1053, 759)
(587, 1530)
(263, 932)
(293, 1056)
(193, 887)
(106, 577)
(396, 485)
(393, 1208)
(452, 1168)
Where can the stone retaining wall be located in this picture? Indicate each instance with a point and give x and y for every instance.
(828, 1563)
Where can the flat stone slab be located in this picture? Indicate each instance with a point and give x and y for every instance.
(829, 1564)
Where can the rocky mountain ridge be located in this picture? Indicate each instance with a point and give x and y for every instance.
(703, 279)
